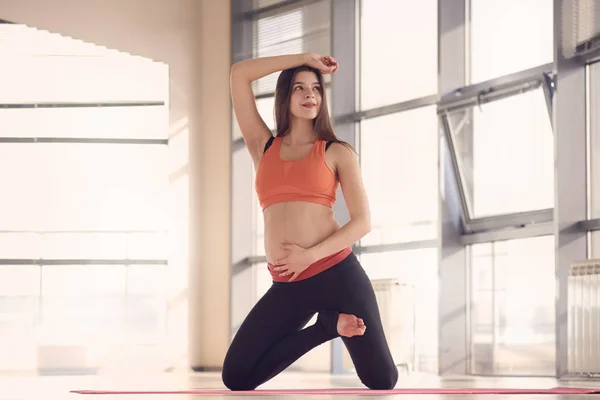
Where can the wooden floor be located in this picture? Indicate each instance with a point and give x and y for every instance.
(58, 387)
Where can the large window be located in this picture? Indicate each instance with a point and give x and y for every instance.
(82, 186)
(512, 293)
(594, 152)
(412, 319)
(19, 299)
(84, 220)
(398, 51)
(509, 36)
(398, 154)
(505, 154)
(594, 139)
(307, 28)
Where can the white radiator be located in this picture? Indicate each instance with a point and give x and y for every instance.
(584, 318)
(397, 307)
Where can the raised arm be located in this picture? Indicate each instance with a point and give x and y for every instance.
(254, 130)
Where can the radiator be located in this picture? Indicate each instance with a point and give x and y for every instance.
(396, 303)
(584, 318)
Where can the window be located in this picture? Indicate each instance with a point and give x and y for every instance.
(506, 154)
(80, 200)
(398, 51)
(417, 272)
(19, 296)
(302, 29)
(143, 122)
(594, 123)
(262, 280)
(259, 223)
(513, 321)
(256, 4)
(594, 151)
(82, 304)
(509, 36)
(145, 302)
(266, 109)
(398, 154)
(51, 186)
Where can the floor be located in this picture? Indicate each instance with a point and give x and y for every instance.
(58, 387)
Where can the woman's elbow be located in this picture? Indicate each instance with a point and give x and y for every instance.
(236, 70)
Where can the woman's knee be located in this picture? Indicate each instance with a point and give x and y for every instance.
(234, 378)
(235, 374)
(380, 379)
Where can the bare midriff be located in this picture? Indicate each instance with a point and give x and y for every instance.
(303, 224)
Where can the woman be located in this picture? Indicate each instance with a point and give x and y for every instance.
(309, 256)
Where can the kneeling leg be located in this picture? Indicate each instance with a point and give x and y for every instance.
(271, 338)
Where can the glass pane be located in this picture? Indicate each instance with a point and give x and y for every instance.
(594, 119)
(513, 322)
(144, 280)
(266, 109)
(482, 308)
(83, 187)
(83, 245)
(595, 245)
(594, 187)
(262, 280)
(398, 154)
(19, 296)
(259, 228)
(299, 30)
(506, 152)
(97, 122)
(148, 245)
(509, 36)
(417, 270)
(82, 304)
(146, 285)
(83, 280)
(19, 245)
(398, 51)
(256, 4)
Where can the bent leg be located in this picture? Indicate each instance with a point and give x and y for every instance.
(271, 338)
(370, 352)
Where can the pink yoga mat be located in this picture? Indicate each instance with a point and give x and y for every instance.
(413, 391)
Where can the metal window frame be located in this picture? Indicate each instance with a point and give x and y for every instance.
(43, 105)
(472, 96)
(51, 104)
(84, 261)
(566, 221)
(84, 140)
(276, 9)
(588, 51)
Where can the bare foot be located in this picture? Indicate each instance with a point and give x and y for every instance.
(349, 325)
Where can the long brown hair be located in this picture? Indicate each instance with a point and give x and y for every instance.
(283, 93)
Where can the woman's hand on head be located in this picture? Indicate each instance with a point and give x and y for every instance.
(325, 64)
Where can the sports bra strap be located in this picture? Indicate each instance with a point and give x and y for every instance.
(327, 145)
(269, 143)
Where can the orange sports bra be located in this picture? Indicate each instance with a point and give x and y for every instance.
(306, 179)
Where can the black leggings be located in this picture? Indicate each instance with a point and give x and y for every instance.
(272, 337)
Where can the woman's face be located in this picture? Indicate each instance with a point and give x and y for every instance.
(305, 100)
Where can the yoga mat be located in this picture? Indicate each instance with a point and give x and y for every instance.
(412, 391)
